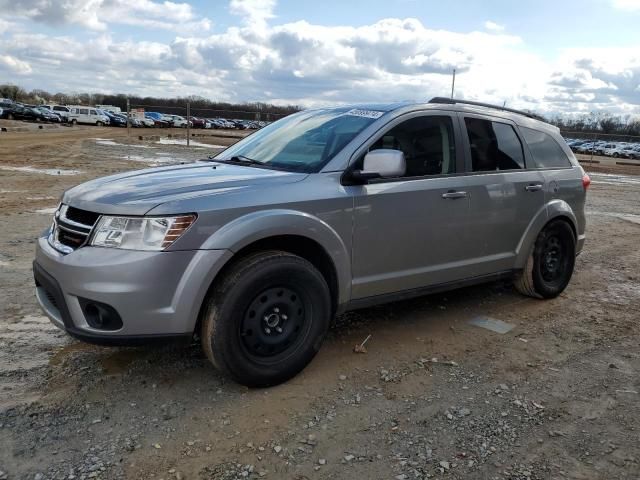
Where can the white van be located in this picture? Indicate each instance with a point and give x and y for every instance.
(80, 114)
(60, 110)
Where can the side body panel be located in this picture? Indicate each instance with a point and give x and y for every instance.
(406, 234)
(502, 206)
(318, 208)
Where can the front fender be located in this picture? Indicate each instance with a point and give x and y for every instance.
(553, 209)
(262, 224)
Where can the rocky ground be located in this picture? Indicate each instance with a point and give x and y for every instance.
(434, 397)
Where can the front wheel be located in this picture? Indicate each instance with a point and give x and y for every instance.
(550, 264)
(266, 318)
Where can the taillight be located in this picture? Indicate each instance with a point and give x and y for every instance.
(586, 181)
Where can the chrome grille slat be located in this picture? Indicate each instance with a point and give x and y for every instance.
(70, 234)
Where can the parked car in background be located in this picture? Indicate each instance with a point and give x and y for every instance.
(19, 111)
(158, 119)
(109, 108)
(239, 124)
(114, 120)
(87, 115)
(198, 122)
(179, 121)
(146, 121)
(47, 115)
(61, 110)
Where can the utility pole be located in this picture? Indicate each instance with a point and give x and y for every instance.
(453, 82)
(128, 119)
(188, 122)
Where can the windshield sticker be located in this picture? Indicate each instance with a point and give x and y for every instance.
(365, 113)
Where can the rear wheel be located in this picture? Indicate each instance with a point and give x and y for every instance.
(266, 318)
(74, 121)
(550, 264)
(99, 124)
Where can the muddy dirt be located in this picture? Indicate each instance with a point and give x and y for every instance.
(558, 396)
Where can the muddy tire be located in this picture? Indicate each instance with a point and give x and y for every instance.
(550, 264)
(266, 318)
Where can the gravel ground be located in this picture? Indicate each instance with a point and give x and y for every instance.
(433, 397)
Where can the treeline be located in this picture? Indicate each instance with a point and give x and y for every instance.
(599, 122)
(164, 105)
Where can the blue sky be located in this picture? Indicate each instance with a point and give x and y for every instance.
(551, 56)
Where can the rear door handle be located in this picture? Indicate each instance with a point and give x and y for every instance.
(533, 187)
(453, 195)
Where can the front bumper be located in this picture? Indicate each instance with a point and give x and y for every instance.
(157, 295)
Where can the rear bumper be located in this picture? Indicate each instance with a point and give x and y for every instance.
(157, 295)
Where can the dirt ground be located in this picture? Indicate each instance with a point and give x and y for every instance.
(434, 397)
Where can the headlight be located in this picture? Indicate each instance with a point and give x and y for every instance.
(140, 233)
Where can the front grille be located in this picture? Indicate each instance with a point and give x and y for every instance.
(72, 228)
(82, 216)
(71, 239)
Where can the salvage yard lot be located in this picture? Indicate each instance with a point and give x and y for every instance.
(558, 396)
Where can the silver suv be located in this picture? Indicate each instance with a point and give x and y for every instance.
(257, 249)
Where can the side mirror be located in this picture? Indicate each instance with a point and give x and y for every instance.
(382, 163)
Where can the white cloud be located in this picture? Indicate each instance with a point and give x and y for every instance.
(253, 11)
(493, 27)
(631, 5)
(98, 14)
(311, 64)
(13, 65)
(5, 26)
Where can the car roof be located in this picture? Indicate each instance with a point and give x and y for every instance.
(521, 118)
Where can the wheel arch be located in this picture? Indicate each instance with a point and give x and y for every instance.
(294, 232)
(554, 210)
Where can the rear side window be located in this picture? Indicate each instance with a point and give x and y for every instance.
(545, 150)
(494, 146)
(83, 111)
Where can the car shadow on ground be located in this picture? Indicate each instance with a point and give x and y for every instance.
(80, 366)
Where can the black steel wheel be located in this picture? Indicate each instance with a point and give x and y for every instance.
(550, 265)
(273, 323)
(266, 318)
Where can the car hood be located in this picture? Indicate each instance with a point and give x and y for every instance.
(137, 192)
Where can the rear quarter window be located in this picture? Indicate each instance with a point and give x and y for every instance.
(545, 150)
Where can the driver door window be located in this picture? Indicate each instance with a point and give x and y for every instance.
(427, 143)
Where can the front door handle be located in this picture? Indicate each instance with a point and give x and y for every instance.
(533, 187)
(453, 195)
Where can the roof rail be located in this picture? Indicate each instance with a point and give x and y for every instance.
(452, 101)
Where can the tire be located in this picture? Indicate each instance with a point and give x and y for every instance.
(266, 318)
(550, 264)
(99, 124)
(10, 116)
(74, 122)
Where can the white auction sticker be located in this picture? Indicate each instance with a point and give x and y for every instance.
(365, 113)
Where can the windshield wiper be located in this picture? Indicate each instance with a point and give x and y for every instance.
(243, 159)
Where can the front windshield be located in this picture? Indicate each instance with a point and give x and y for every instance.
(303, 142)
